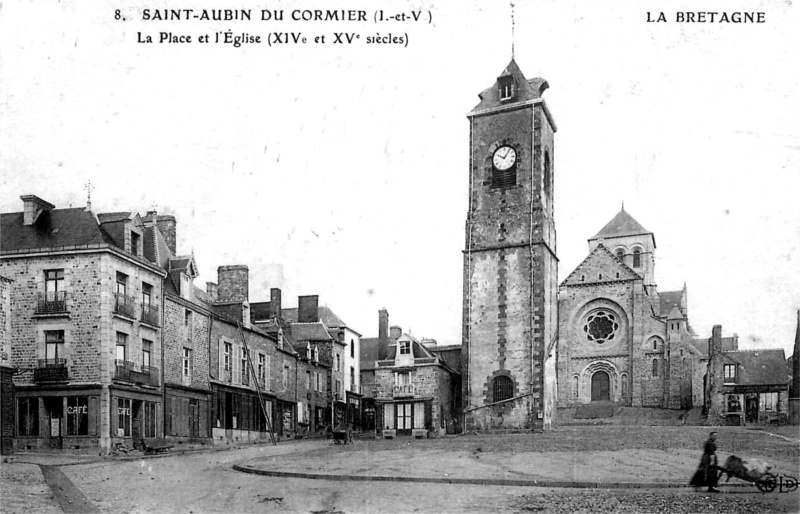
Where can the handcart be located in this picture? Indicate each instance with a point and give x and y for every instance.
(752, 470)
(343, 436)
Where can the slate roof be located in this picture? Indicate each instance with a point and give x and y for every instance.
(701, 344)
(525, 90)
(310, 332)
(621, 225)
(112, 217)
(668, 300)
(259, 311)
(369, 352)
(600, 257)
(450, 354)
(326, 315)
(55, 228)
(759, 367)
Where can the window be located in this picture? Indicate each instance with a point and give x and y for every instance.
(352, 348)
(187, 319)
(655, 344)
(122, 343)
(405, 347)
(624, 385)
(77, 415)
(226, 356)
(338, 387)
(243, 368)
(637, 258)
(147, 294)
(28, 417)
(134, 243)
(546, 180)
(730, 372)
(338, 362)
(308, 379)
(122, 283)
(352, 378)
(320, 383)
(655, 367)
(575, 387)
(402, 379)
(123, 417)
(285, 377)
(54, 346)
(147, 348)
(503, 389)
(262, 368)
(187, 363)
(601, 326)
(733, 403)
(769, 401)
(505, 87)
(53, 284)
(621, 254)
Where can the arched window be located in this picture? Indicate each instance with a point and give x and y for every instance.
(575, 387)
(655, 367)
(352, 348)
(637, 258)
(620, 254)
(502, 389)
(655, 344)
(623, 385)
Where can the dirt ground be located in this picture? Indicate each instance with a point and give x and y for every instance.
(206, 482)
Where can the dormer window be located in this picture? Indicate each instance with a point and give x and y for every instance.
(405, 347)
(134, 243)
(730, 373)
(505, 85)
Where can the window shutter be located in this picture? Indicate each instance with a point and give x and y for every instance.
(93, 415)
(221, 361)
(428, 415)
(168, 415)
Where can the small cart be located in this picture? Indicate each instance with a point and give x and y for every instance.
(750, 471)
(343, 436)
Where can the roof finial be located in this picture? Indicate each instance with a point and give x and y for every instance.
(89, 188)
(512, 30)
(623, 205)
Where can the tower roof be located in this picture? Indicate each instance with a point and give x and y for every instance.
(524, 90)
(622, 225)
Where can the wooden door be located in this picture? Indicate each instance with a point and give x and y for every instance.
(600, 387)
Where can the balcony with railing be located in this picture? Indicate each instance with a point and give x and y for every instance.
(400, 391)
(51, 370)
(51, 303)
(149, 315)
(127, 371)
(125, 305)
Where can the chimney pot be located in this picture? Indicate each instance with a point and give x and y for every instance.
(275, 304)
(233, 283)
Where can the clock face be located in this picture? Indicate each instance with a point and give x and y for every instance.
(504, 157)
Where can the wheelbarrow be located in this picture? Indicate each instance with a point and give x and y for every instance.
(753, 470)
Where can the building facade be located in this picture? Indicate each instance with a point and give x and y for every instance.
(620, 339)
(510, 267)
(85, 327)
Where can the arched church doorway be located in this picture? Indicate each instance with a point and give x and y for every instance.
(600, 387)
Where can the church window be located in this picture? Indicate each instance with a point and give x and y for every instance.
(583, 278)
(621, 254)
(655, 367)
(502, 389)
(623, 382)
(599, 276)
(637, 258)
(601, 326)
(655, 344)
(575, 387)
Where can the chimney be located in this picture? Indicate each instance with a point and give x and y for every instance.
(33, 207)
(233, 283)
(308, 311)
(166, 225)
(275, 304)
(715, 344)
(383, 325)
(736, 342)
(212, 290)
(394, 333)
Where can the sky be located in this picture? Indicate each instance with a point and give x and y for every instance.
(342, 170)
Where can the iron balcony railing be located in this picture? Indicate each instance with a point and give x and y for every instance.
(125, 305)
(51, 370)
(126, 371)
(149, 315)
(53, 302)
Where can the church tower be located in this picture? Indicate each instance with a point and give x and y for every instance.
(510, 264)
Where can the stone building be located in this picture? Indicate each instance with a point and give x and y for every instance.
(745, 387)
(794, 387)
(510, 308)
(620, 339)
(85, 327)
(7, 397)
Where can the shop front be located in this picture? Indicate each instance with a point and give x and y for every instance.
(58, 419)
(135, 415)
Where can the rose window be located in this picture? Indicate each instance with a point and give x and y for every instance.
(601, 327)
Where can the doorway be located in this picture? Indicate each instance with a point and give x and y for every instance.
(600, 387)
(55, 411)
